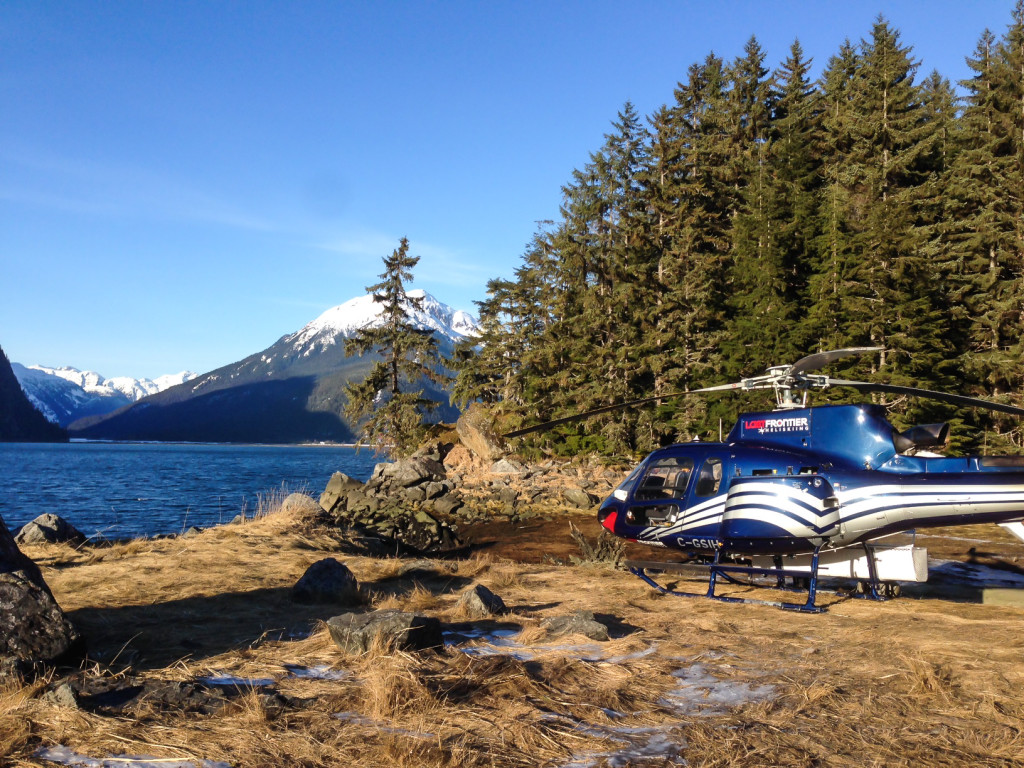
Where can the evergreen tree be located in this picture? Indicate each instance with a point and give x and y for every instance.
(395, 422)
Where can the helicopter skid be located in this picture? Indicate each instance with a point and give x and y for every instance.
(891, 563)
(639, 569)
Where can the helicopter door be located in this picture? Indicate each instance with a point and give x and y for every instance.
(659, 496)
(709, 479)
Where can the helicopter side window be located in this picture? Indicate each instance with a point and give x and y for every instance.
(666, 479)
(710, 478)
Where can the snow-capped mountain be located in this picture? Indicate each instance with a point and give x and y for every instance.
(65, 394)
(292, 391)
(345, 319)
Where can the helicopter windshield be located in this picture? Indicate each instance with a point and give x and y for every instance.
(666, 479)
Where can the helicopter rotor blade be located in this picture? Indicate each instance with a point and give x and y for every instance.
(821, 359)
(616, 407)
(945, 397)
(587, 414)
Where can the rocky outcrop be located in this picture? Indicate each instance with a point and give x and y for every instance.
(33, 629)
(404, 508)
(49, 529)
(359, 632)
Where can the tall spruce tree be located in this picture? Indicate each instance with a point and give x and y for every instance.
(395, 412)
(761, 217)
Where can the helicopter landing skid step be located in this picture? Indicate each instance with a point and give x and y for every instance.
(640, 569)
(808, 607)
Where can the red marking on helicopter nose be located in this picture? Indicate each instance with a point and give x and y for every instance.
(609, 522)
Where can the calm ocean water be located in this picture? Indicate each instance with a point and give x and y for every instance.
(117, 490)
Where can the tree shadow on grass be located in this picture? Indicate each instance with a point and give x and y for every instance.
(156, 635)
(152, 636)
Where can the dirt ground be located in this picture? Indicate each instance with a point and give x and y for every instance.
(912, 681)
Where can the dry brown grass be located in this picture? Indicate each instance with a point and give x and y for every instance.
(907, 682)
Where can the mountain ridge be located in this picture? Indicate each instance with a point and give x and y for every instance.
(290, 392)
(65, 394)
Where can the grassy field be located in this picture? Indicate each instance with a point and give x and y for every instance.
(906, 682)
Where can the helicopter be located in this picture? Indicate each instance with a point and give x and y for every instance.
(801, 492)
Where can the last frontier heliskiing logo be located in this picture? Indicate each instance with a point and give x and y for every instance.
(774, 426)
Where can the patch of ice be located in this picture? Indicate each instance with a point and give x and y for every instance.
(700, 692)
(499, 642)
(631, 656)
(356, 719)
(640, 744)
(319, 672)
(66, 756)
(240, 682)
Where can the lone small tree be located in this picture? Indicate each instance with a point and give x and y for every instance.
(409, 354)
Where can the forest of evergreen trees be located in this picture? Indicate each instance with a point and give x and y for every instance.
(761, 216)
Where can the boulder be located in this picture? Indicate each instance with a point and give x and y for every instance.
(358, 632)
(477, 433)
(327, 581)
(49, 529)
(578, 498)
(301, 504)
(479, 602)
(337, 488)
(508, 467)
(577, 623)
(33, 629)
(447, 505)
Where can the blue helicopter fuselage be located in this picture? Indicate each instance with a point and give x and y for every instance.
(792, 481)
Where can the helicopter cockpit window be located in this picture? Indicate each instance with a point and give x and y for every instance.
(666, 479)
(710, 478)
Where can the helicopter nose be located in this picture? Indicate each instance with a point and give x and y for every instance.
(606, 517)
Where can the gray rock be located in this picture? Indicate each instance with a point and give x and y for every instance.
(577, 623)
(337, 488)
(435, 489)
(300, 503)
(49, 529)
(477, 433)
(359, 503)
(358, 632)
(479, 602)
(410, 472)
(578, 498)
(508, 496)
(33, 629)
(508, 467)
(416, 493)
(63, 695)
(191, 532)
(327, 581)
(447, 505)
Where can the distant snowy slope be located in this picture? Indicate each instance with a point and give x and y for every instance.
(65, 394)
(292, 391)
(342, 321)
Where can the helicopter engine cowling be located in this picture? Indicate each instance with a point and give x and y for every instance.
(779, 514)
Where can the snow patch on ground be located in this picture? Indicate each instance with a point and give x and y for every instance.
(66, 756)
(973, 574)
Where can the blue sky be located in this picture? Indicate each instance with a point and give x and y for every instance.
(182, 183)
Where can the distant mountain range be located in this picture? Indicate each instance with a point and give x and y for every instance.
(20, 421)
(291, 392)
(64, 395)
